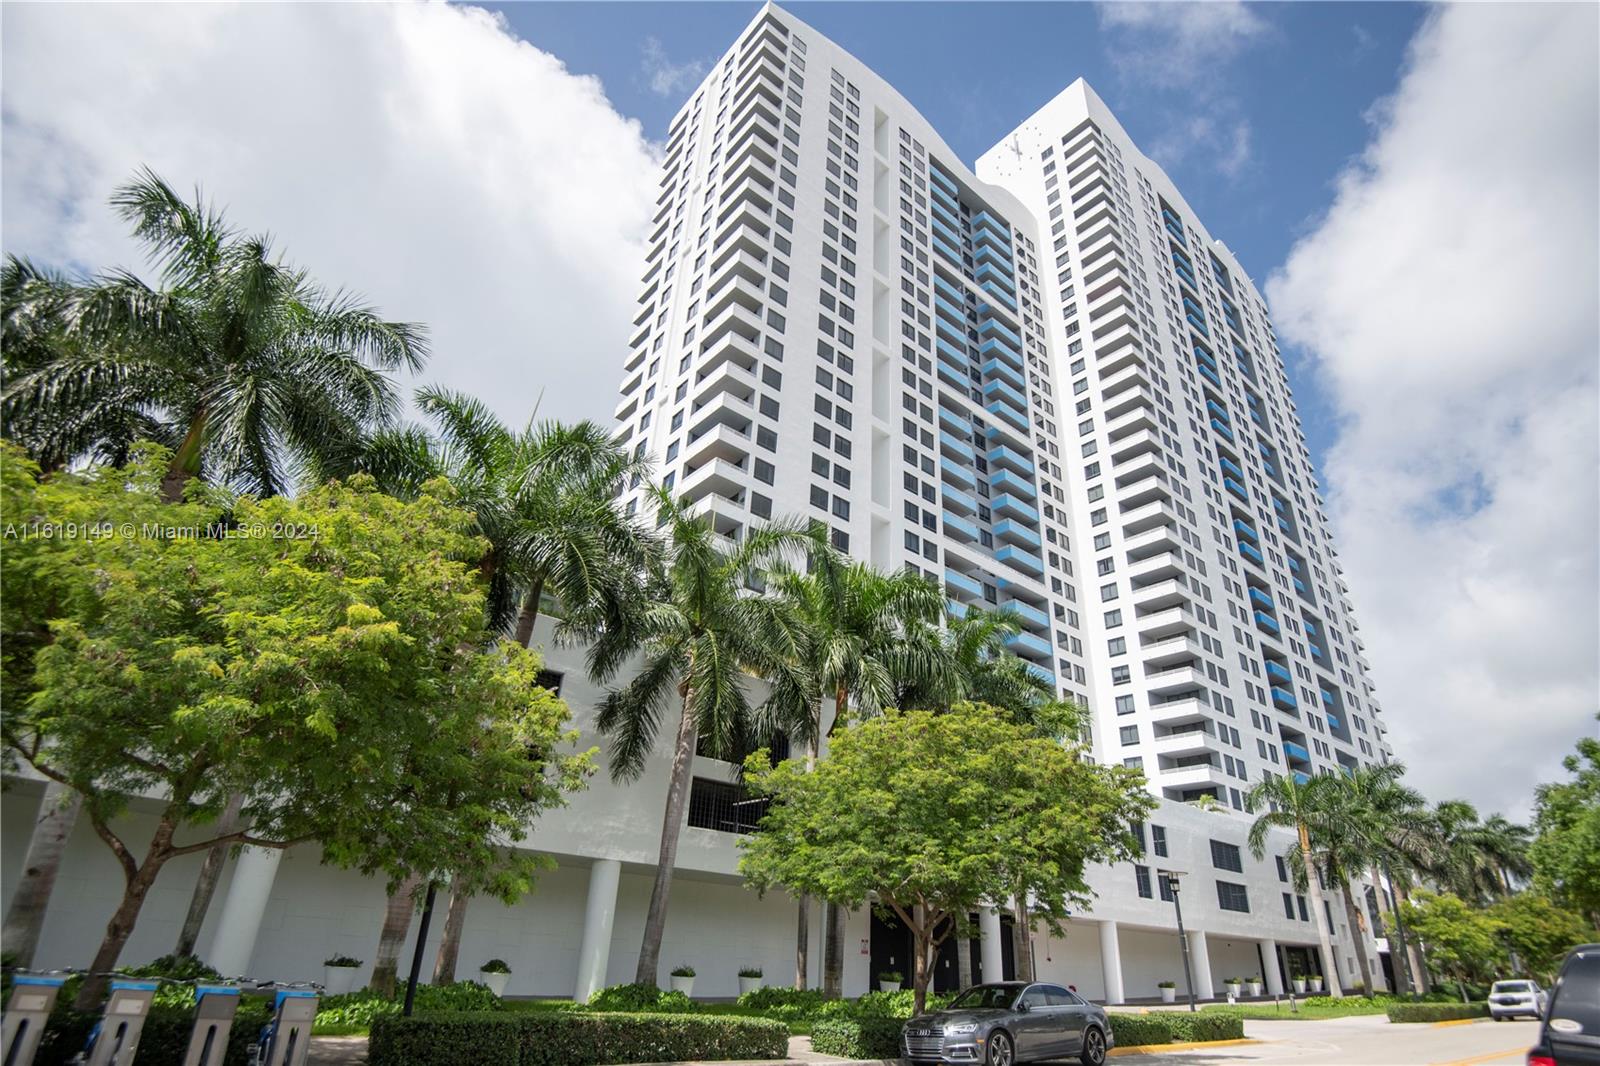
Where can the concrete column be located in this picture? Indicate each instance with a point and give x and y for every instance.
(234, 942)
(1269, 959)
(599, 914)
(1111, 961)
(1200, 963)
(989, 950)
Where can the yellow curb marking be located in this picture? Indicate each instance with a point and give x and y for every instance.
(1455, 1021)
(1519, 1051)
(1193, 1045)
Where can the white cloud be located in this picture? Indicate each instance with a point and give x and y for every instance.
(1451, 303)
(421, 155)
(665, 77)
(1185, 49)
(1176, 46)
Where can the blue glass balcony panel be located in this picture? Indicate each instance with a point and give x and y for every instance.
(1015, 508)
(1209, 374)
(1278, 672)
(1002, 409)
(1027, 612)
(941, 179)
(957, 473)
(1284, 525)
(954, 421)
(997, 293)
(1005, 480)
(1041, 673)
(1217, 409)
(985, 220)
(1249, 552)
(957, 499)
(1011, 530)
(996, 387)
(990, 272)
(1023, 643)
(1235, 488)
(1263, 598)
(1199, 324)
(964, 583)
(1245, 529)
(1005, 371)
(955, 608)
(994, 346)
(1282, 697)
(1316, 652)
(947, 233)
(956, 357)
(949, 288)
(1279, 505)
(1230, 467)
(943, 210)
(985, 237)
(1327, 697)
(1222, 429)
(1177, 231)
(1266, 621)
(954, 310)
(1301, 777)
(989, 327)
(960, 445)
(1005, 456)
(960, 528)
(1333, 721)
(944, 249)
(1296, 751)
(1300, 587)
(1192, 307)
(988, 253)
(1020, 559)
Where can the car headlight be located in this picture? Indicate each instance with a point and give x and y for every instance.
(960, 1030)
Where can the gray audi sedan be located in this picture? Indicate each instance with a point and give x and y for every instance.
(1008, 1023)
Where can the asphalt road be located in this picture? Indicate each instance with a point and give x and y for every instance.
(1368, 1040)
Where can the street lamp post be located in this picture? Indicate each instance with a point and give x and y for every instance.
(1171, 878)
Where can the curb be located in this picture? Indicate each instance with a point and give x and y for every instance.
(1190, 1045)
(1454, 1021)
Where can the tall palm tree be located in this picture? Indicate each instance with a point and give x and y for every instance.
(853, 624)
(1477, 859)
(544, 500)
(58, 813)
(1289, 805)
(239, 361)
(702, 632)
(1392, 817)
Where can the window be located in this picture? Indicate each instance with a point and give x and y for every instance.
(1125, 704)
(1129, 734)
(764, 471)
(1233, 897)
(1166, 887)
(1300, 905)
(1283, 871)
(1141, 875)
(1158, 840)
(1288, 906)
(760, 506)
(1226, 857)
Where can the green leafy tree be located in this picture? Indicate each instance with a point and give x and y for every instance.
(1565, 854)
(1462, 941)
(930, 814)
(239, 362)
(1540, 931)
(1291, 805)
(324, 659)
(699, 634)
(856, 649)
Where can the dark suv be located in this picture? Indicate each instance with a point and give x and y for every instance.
(1570, 1032)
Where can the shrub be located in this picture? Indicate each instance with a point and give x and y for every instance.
(495, 966)
(893, 977)
(177, 967)
(863, 1037)
(750, 971)
(467, 1038)
(357, 1010)
(898, 1004)
(342, 962)
(1132, 1029)
(1168, 1028)
(683, 971)
(639, 998)
(1436, 1012)
(569, 1038)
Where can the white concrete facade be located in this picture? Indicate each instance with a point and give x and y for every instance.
(806, 347)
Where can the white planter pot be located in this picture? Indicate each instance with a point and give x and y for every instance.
(1169, 995)
(1255, 988)
(339, 979)
(495, 981)
(1316, 984)
(888, 986)
(683, 984)
(748, 984)
(1299, 984)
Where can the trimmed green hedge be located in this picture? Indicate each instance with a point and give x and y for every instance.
(1436, 1012)
(569, 1038)
(869, 1037)
(1172, 1027)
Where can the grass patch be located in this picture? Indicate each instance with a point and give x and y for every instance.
(1313, 1008)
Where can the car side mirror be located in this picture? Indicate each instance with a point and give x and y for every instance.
(1022, 1006)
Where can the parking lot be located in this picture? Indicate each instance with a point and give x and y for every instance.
(1367, 1040)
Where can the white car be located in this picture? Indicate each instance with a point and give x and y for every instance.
(1508, 999)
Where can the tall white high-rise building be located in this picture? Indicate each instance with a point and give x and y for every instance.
(1043, 386)
(1215, 617)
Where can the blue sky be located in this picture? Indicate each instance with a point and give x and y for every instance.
(1301, 80)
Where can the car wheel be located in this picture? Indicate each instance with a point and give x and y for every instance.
(1001, 1052)
(1094, 1047)
(1499, 1017)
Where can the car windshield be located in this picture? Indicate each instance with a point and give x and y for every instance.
(1512, 986)
(986, 997)
(1575, 1014)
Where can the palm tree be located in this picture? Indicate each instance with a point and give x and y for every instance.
(240, 362)
(1389, 813)
(58, 813)
(1289, 806)
(854, 625)
(702, 632)
(1476, 860)
(246, 369)
(544, 500)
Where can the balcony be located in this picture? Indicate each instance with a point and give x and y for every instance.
(1002, 370)
(1165, 653)
(1284, 698)
(1194, 740)
(960, 528)
(718, 476)
(1154, 542)
(728, 377)
(1156, 567)
(1010, 415)
(1182, 679)
(1278, 672)
(1160, 595)
(1018, 559)
(1245, 530)
(723, 442)
(1263, 598)
(1027, 644)
(1005, 458)
(1007, 482)
(1144, 491)
(994, 327)
(1222, 430)
(996, 389)
(1179, 712)
(1027, 613)
(1249, 552)
(1266, 622)
(955, 447)
(995, 347)
(727, 409)
(962, 583)
(1202, 775)
(1013, 532)
(1146, 516)
(957, 473)
(956, 500)
(1169, 623)
(1301, 777)
(1296, 752)
(1011, 507)
(1236, 488)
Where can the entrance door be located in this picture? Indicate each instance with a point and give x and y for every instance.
(890, 948)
